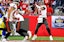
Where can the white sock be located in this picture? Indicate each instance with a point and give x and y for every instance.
(29, 33)
(26, 37)
(51, 38)
(34, 37)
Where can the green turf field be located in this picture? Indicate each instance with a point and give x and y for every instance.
(39, 38)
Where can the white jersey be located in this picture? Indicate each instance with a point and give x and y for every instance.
(43, 13)
(19, 16)
(15, 15)
(11, 14)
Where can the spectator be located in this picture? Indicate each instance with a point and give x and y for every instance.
(31, 2)
(47, 2)
(24, 6)
(58, 3)
(63, 8)
(49, 10)
(62, 2)
(53, 4)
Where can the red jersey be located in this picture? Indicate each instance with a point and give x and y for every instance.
(23, 5)
(49, 10)
(47, 1)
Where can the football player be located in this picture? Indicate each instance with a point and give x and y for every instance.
(42, 19)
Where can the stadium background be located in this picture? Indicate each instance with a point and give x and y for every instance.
(31, 22)
(42, 31)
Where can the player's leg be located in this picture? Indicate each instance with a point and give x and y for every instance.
(23, 33)
(38, 25)
(9, 32)
(35, 35)
(6, 35)
(47, 28)
(14, 29)
(3, 33)
(5, 38)
(3, 30)
(27, 32)
(11, 26)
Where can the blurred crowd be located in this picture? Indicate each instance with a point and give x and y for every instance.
(12, 10)
(28, 6)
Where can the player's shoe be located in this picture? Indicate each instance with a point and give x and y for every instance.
(26, 38)
(34, 37)
(29, 33)
(4, 40)
(2, 37)
(51, 38)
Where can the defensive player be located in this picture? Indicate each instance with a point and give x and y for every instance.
(2, 22)
(14, 16)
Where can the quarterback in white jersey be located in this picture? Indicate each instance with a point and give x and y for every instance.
(42, 19)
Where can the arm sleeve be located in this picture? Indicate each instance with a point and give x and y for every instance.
(37, 6)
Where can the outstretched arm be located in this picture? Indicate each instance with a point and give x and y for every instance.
(37, 6)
